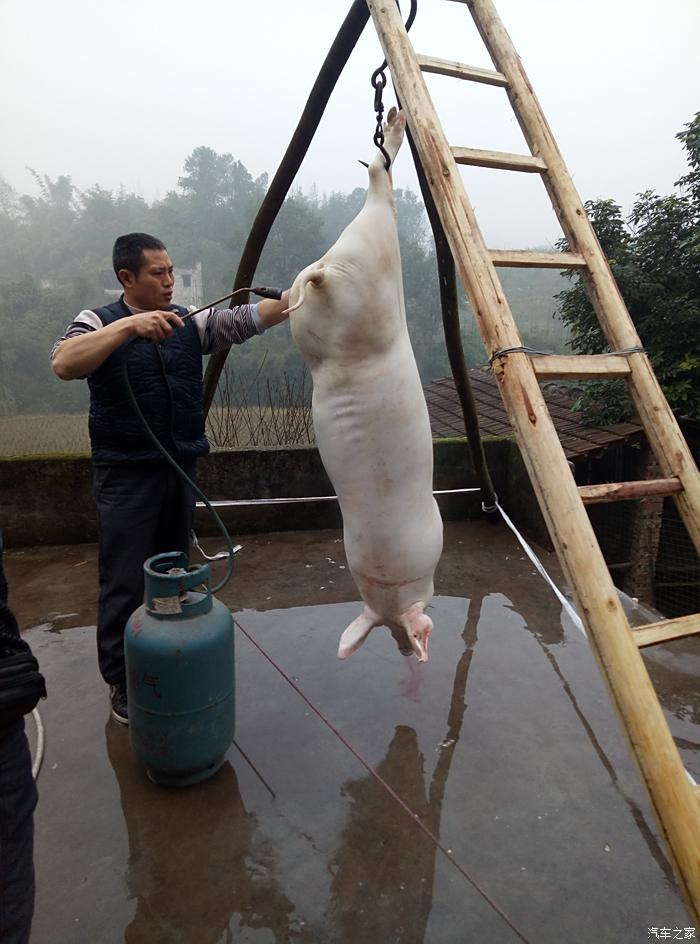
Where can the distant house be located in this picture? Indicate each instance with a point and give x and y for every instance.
(187, 290)
(188, 286)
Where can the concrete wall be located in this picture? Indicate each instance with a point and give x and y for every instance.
(48, 500)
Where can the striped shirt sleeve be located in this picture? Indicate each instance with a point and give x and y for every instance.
(220, 328)
(86, 321)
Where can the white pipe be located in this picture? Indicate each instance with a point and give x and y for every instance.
(310, 498)
(39, 743)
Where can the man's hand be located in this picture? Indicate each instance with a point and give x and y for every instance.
(154, 325)
(80, 356)
(274, 312)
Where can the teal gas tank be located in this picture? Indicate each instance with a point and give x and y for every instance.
(179, 651)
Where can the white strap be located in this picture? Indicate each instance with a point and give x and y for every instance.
(575, 618)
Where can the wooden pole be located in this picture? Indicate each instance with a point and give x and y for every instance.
(331, 69)
(631, 691)
(627, 491)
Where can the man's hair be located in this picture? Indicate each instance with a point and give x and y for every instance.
(128, 251)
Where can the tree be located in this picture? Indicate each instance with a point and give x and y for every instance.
(655, 258)
(104, 214)
(215, 179)
(55, 251)
(207, 219)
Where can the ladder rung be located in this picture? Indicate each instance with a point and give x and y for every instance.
(571, 366)
(499, 159)
(523, 259)
(624, 491)
(664, 631)
(458, 70)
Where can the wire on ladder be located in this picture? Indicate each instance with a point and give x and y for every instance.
(524, 349)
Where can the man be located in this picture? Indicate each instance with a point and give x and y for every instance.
(143, 505)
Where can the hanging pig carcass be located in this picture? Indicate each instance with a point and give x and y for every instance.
(370, 417)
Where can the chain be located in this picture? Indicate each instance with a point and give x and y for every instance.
(378, 83)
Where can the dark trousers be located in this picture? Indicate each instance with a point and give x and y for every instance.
(17, 801)
(143, 508)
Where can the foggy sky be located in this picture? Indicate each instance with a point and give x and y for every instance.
(122, 94)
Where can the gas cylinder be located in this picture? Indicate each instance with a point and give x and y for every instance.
(179, 652)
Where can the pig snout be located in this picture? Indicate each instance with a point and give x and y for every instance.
(411, 633)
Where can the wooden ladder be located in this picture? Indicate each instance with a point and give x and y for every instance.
(675, 799)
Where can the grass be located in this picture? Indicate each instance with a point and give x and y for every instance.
(36, 434)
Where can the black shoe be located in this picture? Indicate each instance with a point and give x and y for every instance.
(120, 707)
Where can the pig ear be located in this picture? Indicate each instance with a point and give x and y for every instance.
(315, 274)
(355, 634)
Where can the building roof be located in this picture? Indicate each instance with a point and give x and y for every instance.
(578, 441)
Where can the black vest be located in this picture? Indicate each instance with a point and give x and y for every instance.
(166, 379)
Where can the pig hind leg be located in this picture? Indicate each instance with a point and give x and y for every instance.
(394, 129)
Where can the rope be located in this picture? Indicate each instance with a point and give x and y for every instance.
(575, 618)
(414, 816)
(524, 349)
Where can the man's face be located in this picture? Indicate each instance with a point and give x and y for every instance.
(152, 288)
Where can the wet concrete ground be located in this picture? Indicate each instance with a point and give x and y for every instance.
(504, 745)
